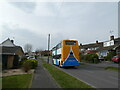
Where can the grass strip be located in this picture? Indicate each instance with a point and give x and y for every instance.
(17, 81)
(64, 79)
(113, 68)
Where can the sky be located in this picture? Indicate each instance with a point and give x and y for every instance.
(31, 22)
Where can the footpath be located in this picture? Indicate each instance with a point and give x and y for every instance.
(42, 78)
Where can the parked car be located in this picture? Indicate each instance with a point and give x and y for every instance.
(101, 58)
(116, 59)
(31, 57)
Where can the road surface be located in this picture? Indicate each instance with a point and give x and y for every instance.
(94, 75)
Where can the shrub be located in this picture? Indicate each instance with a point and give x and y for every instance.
(96, 60)
(23, 59)
(29, 64)
(90, 58)
(33, 63)
(110, 55)
(26, 66)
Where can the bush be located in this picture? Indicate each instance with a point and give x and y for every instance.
(90, 58)
(30, 64)
(23, 59)
(33, 63)
(110, 55)
(26, 67)
(96, 60)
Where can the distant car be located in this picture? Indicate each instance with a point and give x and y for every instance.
(31, 57)
(116, 59)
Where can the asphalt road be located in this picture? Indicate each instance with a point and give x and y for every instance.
(94, 74)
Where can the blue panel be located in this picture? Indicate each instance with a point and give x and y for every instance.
(71, 61)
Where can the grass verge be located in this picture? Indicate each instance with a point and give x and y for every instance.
(64, 79)
(17, 81)
(113, 68)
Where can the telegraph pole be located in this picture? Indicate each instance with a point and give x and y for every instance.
(48, 46)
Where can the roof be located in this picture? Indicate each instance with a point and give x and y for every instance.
(10, 50)
(8, 43)
(100, 44)
(108, 48)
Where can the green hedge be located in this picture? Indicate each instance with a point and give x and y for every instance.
(90, 58)
(110, 55)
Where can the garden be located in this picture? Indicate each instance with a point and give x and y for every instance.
(20, 77)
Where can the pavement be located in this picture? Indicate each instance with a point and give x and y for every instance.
(42, 78)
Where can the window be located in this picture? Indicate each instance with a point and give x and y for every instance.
(53, 49)
(57, 56)
(58, 46)
(70, 42)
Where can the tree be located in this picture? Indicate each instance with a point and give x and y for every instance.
(38, 51)
(28, 48)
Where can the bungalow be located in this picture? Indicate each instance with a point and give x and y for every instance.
(11, 54)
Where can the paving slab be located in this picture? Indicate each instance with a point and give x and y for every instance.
(42, 78)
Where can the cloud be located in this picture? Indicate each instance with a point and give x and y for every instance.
(28, 7)
(23, 36)
(48, 9)
(86, 22)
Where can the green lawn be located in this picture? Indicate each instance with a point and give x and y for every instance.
(17, 81)
(64, 79)
(113, 68)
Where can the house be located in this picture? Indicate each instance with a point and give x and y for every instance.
(111, 45)
(90, 48)
(11, 54)
(45, 53)
(102, 48)
(118, 50)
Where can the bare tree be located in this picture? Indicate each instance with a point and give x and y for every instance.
(28, 48)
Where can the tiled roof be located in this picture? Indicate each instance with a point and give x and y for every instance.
(100, 44)
(108, 48)
(10, 50)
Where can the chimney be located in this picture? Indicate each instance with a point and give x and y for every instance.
(12, 41)
(97, 42)
(111, 37)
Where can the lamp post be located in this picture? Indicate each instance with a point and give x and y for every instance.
(48, 46)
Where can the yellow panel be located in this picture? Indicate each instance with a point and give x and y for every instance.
(66, 50)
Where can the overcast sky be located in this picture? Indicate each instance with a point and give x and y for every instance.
(31, 22)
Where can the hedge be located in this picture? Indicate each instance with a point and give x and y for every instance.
(110, 55)
(90, 58)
